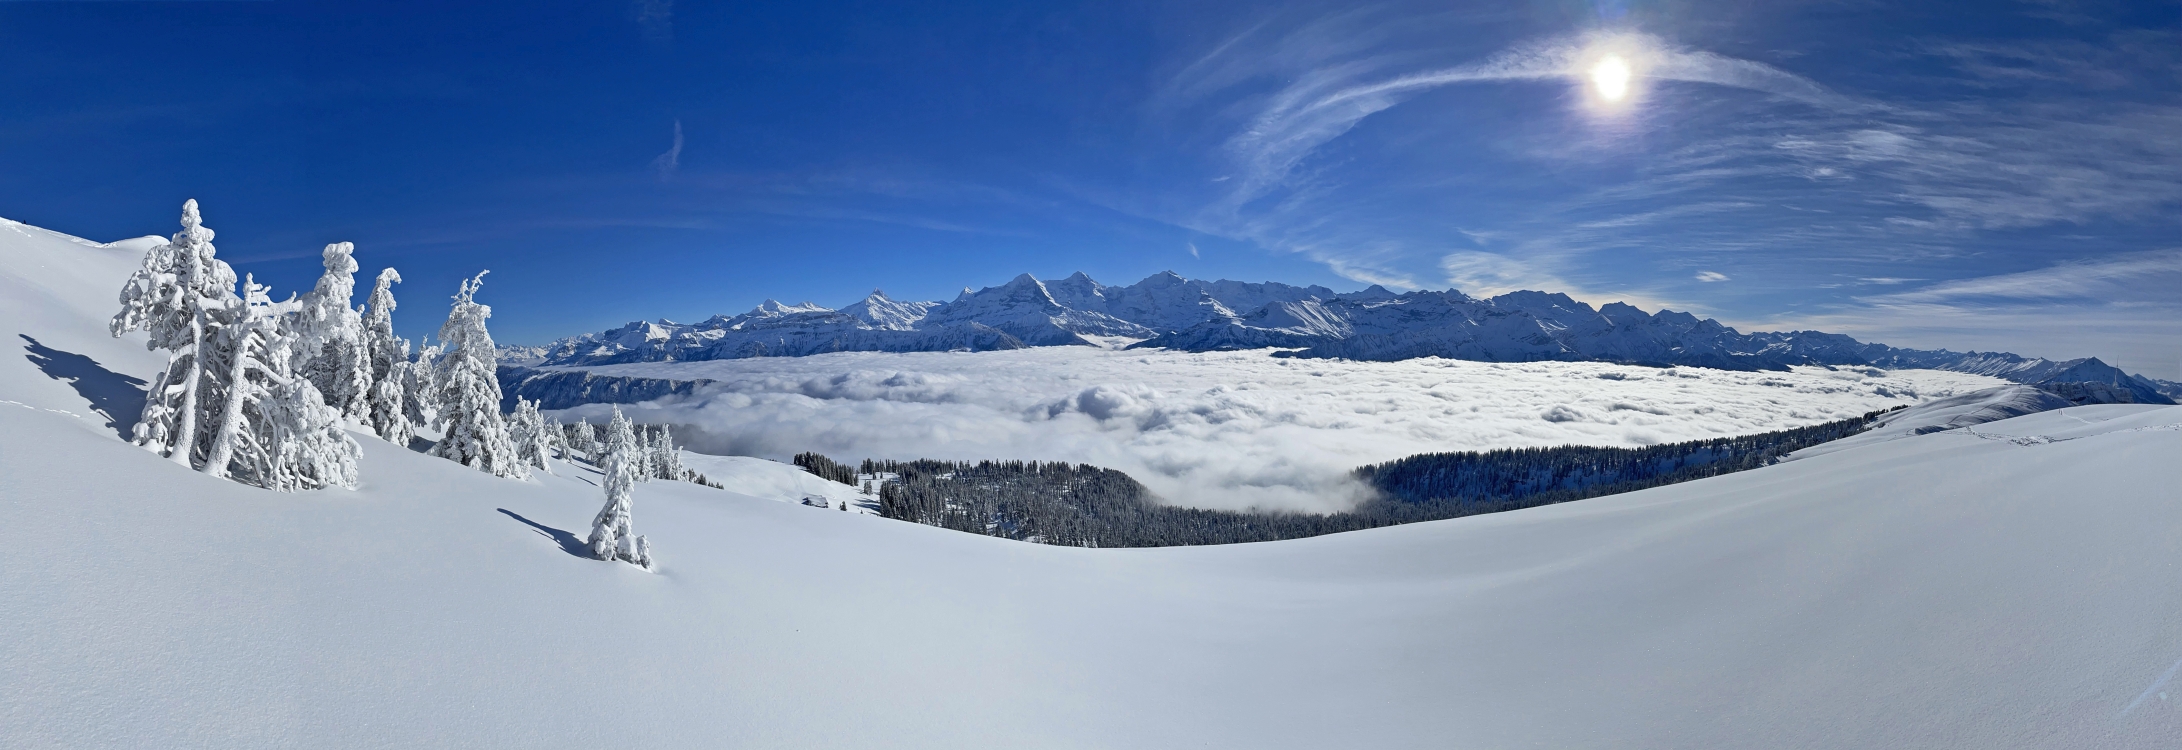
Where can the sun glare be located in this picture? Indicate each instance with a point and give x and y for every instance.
(1611, 78)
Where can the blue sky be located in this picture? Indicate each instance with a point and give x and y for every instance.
(1963, 175)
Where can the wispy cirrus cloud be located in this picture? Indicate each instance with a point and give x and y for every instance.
(667, 163)
(2149, 276)
(1326, 102)
(656, 18)
(2124, 308)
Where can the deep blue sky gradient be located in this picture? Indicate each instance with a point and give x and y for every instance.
(1968, 175)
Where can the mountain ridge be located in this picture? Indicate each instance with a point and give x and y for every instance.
(1169, 311)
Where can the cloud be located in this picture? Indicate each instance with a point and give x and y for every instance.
(1193, 250)
(656, 18)
(1229, 429)
(1711, 276)
(1325, 103)
(2122, 308)
(2154, 274)
(666, 164)
(1482, 274)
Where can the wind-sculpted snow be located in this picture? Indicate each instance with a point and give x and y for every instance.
(1222, 429)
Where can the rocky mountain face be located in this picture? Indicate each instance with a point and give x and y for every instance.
(1168, 311)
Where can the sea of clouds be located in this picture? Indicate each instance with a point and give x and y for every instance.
(1232, 429)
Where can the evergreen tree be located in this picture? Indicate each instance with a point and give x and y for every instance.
(331, 348)
(388, 357)
(645, 443)
(597, 453)
(473, 433)
(420, 386)
(582, 441)
(229, 403)
(527, 429)
(181, 296)
(556, 435)
(273, 429)
(666, 458)
(612, 536)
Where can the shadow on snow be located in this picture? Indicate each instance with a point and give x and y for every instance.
(117, 397)
(569, 543)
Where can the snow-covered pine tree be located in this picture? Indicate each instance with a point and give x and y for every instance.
(612, 537)
(330, 347)
(597, 453)
(583, 441)
(181, 296)
(272, 428)
(228, 403)
(527, 429)
(645, 444)
(420, 386)
(473, 434)
(388, 357)
(666, 458)
(556, 436)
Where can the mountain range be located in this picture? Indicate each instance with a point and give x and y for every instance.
(1168, 311)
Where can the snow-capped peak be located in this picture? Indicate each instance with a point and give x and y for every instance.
(886, 314)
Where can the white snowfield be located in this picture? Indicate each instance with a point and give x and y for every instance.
(2009, 585)
(1234, 429)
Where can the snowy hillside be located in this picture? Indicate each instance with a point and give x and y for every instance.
(2011, 585)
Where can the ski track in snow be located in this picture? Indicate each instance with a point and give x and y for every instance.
(1233, 429)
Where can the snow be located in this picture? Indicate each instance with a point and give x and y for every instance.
(1232, 429)
(2006, 585)
(1973, 408)
(773, 480)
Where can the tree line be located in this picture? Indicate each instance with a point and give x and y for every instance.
(1079, 505)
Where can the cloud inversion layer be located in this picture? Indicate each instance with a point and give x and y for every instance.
(1232, 429)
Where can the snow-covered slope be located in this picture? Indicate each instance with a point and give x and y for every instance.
(56, 294)
(2011, 586)
(1955, 412)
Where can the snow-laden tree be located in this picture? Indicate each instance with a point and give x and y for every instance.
(273, 429)
(388, 357)
(597, 444)
(666, 458)
(612, 537)
(181, 296)
(330, 347)
(646, 441)
(229, 403)
(583, 441)
(556, 436)
(473, 434)
(533, 441)
(420, 386)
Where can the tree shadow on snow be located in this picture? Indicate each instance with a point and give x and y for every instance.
(117, 397)
(569, 543)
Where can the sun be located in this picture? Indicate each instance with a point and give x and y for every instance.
(1610, 77)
